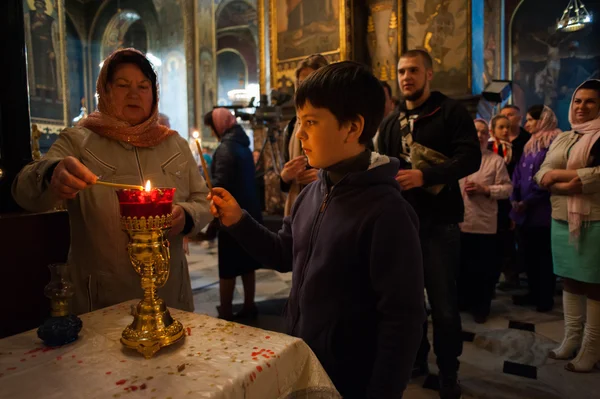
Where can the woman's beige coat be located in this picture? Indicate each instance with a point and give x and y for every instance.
(100, 266)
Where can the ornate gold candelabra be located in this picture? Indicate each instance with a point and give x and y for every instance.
(152, 327)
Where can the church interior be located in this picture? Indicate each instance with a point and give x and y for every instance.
(103, 300)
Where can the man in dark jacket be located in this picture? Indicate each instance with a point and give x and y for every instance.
(518, 136)
(436, 141)
(357, 290)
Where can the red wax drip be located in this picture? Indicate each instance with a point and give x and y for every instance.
(140, 203)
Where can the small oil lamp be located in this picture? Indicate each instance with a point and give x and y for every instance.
(62, 327)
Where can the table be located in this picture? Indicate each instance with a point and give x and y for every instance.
(217, 359)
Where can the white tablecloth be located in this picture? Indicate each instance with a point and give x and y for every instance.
(217, 359)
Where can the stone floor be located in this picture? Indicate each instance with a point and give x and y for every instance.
(505, 358)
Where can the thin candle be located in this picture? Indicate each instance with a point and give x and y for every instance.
(118, 185)
(204, 166)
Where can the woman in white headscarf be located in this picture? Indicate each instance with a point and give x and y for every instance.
(571, 172)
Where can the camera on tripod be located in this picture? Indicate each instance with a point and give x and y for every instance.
(271, 118)
(267, 115)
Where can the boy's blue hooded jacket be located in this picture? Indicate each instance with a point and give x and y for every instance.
(357, 286)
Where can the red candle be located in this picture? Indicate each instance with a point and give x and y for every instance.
(146, 203)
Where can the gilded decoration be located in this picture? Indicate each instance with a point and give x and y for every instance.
(382, 38)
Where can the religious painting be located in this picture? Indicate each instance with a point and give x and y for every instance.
(300, 28)
(173, 91)
(442, 27)
(205, 83)
(208, 87)
(125, 29)
(45, 45)
(547, 65)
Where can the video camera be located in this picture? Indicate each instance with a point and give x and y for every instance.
(281, 110)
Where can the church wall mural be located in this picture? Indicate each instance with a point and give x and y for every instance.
(172, 71)
(206, 79)
(46, 61)
(442, 27)
(75, 71)
(300, 28)
(546, 65)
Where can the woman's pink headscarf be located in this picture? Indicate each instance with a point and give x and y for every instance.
(106, 123)
(545, 135)
(222, 120)
(579, 205)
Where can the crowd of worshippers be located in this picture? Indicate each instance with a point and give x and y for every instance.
(379, 209)
(532, 206)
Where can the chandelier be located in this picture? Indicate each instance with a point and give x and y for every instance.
(574, 17)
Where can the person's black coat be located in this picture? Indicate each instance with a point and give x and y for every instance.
(233, 169)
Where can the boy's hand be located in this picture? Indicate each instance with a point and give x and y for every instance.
(224, 207)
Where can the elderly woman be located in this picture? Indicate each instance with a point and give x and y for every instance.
(481, 192)
(296, 174)
(233, 169)
(531, 211)
(571, 172)
(123, 143)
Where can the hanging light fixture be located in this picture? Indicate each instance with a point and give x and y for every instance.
(575, 17)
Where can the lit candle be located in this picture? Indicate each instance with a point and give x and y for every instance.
(202, 160)
(145, 203)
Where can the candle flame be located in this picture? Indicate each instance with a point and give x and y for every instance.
(196, 134)
(148, 186)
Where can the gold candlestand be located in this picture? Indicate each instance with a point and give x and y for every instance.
(152, 327)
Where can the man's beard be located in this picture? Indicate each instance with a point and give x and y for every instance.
(416, 95)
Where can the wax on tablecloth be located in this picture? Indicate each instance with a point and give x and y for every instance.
(217, 359)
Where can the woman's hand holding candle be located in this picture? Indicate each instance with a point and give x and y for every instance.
(224, 207)
(69, 177)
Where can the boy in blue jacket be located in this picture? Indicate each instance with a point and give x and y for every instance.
(351, 241)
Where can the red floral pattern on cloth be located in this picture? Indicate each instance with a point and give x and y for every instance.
(216, 359)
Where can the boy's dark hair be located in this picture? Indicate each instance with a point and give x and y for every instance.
(425, 56)
(347, 89)
(208, 121)
(387, 87)
(137, 59)
(313, 61)
(591, 84)
(536, 111)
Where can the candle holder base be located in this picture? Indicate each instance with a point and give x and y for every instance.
(152, 328)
